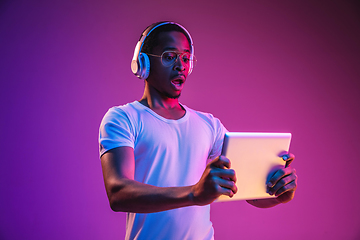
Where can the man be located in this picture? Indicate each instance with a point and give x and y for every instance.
(160, 159)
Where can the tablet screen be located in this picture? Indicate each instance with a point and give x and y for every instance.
(254, 157)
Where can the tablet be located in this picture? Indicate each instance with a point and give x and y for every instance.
(255, 157)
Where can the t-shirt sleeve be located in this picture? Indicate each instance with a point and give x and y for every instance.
(219, 133)
(115, 130)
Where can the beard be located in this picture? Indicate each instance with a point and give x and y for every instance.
(172, 96)
(168, 95)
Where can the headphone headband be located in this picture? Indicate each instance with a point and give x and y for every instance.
(140, 64)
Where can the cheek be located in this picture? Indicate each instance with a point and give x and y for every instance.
(155, 65)
(159, 75)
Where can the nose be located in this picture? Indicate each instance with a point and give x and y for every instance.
(179, 64)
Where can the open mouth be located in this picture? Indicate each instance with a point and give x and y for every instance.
(177, 82)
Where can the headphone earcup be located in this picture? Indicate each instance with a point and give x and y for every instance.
(144, 63)
(190, 68)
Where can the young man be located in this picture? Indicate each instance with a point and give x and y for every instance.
(160, 159)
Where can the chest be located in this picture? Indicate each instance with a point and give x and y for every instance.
(172, 154)
(184, 137)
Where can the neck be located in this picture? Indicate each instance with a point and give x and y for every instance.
(155, 100)
(166, 107)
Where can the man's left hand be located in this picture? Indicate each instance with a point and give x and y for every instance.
(283, 183)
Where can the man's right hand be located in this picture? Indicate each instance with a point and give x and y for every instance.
(217, 179)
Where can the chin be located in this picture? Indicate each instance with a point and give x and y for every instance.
(172, 96)
(175, 97)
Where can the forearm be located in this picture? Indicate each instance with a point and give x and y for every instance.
(127, 195)
(264, 203)
(131, 196)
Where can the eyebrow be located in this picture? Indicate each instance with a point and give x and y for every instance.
(172, 48)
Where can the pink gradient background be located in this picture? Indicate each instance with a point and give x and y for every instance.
(287, 66)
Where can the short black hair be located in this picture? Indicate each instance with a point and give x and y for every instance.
(152, 40)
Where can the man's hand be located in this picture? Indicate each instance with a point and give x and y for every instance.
(284, 181)
(283, 184)
(217, 179)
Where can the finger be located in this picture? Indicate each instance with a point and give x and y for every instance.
(288, 187)
(221, 162)
(279, 174)
(281, 183)
(288, 157)
(228, 189)
(227, 184)
(227, 174)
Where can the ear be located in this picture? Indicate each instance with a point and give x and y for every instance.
(144, 66)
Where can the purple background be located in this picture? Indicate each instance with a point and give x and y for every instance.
(287, 66)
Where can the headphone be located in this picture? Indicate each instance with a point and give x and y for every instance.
(140, 64)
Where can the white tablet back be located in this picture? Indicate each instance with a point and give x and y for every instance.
(254, 157)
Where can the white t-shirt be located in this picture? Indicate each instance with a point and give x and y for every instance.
(168, 153)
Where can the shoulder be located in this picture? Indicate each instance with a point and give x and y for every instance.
(117, 128)
(118, 117)
(122, 111)
(198, 113)
(204, 116)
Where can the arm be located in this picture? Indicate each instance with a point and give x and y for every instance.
(126, 194)
(282, 184)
